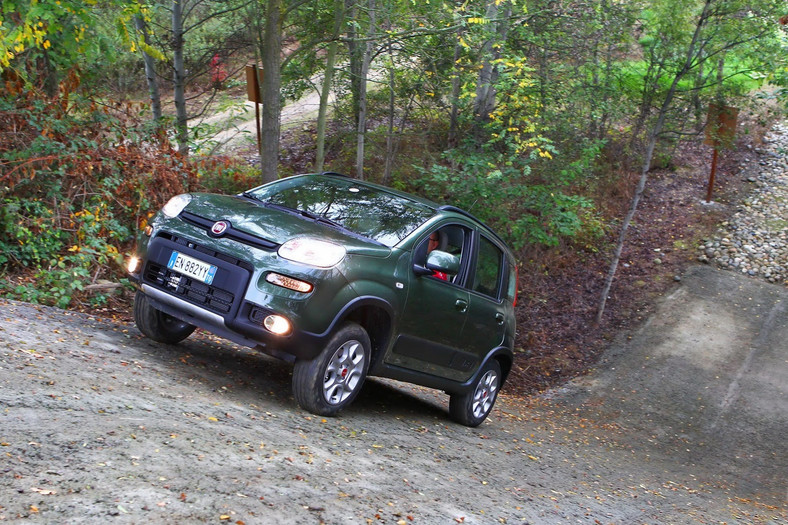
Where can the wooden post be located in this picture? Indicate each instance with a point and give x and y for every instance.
(253, 94)
(260, 131)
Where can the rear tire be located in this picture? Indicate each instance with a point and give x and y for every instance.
(473, 407)
(332, 380)
(157, 325)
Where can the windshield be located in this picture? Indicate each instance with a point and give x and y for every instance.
(385, 217)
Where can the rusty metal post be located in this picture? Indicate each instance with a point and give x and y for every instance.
(720, 133)
(712, 174)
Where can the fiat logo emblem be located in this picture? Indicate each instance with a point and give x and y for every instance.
(219, 227)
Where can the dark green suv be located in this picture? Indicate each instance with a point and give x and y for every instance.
(342, 277)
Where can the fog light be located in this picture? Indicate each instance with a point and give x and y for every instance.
(134, 264)
(277, 324)
(288, 282)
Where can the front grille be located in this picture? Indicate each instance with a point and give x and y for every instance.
(222, 296)
(208, 296)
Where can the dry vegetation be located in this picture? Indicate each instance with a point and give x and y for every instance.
(560, 289)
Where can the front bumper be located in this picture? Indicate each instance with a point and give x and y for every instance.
(220, 307)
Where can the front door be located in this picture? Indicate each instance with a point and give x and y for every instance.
(430, 330)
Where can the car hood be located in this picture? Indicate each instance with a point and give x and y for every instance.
(277, 225)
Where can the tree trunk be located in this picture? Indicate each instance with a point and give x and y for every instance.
(354, 57)
(361, 130)
(720, 80)
(150, 71)
(392, 108)
(606, 91)
(328, 79)
(594, 88)
(49, 72)
(455, 93)
(179, 79)
(652, 140)
(592, 104)
(488, 75)
(649, 86)
(271, 86)
(485, 91)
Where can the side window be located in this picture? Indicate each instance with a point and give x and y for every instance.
(450, 239)
(511, 293)
(488, 268)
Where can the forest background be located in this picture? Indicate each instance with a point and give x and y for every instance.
(544, 118)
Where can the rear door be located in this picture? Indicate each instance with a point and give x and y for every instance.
(485, 325)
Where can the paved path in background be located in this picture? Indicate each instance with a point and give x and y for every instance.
(702, 388)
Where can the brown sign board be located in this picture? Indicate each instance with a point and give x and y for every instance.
(253, 75)
(721, 126)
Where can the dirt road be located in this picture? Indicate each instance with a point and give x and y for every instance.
(681, 422)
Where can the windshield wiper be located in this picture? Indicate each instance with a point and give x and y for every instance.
(304, 213)
(320, 218)
(250, 195)
(295, 211)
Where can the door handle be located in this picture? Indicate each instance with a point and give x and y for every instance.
(461, 305)
(499, 318)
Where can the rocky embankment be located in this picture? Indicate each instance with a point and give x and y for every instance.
(755, 240)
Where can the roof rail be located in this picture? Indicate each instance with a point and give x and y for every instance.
(455, 209)
(334, 173)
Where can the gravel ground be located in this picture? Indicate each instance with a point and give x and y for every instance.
(682, 422)
(755, 240)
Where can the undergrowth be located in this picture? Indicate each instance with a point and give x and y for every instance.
(79, 178)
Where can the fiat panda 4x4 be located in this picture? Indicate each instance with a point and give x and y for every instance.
(345, 279)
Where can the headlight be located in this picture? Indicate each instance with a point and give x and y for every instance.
(134, 265)
(313, 252)
(175, 205)
(277, 324)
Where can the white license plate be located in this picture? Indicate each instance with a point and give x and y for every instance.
(192, 267)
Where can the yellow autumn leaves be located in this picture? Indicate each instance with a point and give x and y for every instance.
(35, 30)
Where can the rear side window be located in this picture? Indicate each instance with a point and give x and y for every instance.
(511, 293)
(489, 264)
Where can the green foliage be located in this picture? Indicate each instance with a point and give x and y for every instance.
(58, 29)
(507, 195)
(60, 273)
(77, 180)
(512, 124)
(504, 172)
(29, 233)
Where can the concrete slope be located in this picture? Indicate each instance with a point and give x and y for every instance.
(704, 382)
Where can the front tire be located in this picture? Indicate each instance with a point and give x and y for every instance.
(473, 407)
(158, 325)
(332, 380)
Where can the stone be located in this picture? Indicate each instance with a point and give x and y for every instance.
(753, 240)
